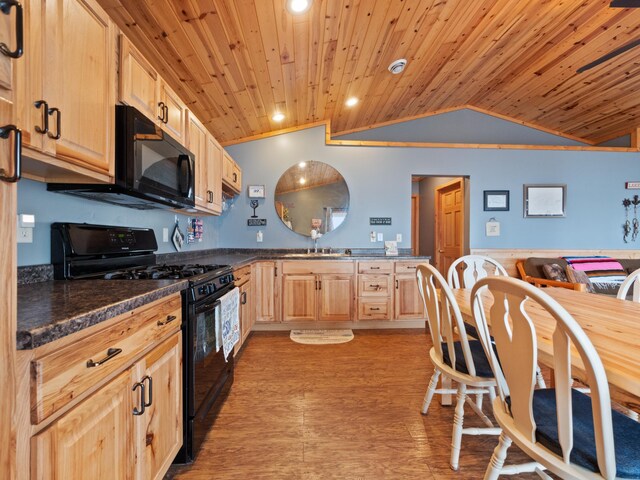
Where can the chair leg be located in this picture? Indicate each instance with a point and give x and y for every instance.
(458, 420)
(433, 384)
(497, 459)
(539, 378)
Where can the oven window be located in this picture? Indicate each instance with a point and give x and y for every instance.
(205, 343)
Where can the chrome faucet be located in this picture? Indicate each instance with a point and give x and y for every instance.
(315, 245)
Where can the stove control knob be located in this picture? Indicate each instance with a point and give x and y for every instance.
(211, 287)
(203, 290)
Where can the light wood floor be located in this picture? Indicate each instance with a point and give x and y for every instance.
(349, 411)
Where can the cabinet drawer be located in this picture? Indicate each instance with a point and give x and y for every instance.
(374, 309)
(375, 267)
(408, 267)
(59, 377)
(374, 285)
(311, 267)
(242, 275)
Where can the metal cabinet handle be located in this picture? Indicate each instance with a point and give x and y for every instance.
(374, 268)
(243, 298)
(209, 196)
(146, 403)
(136, 410)
(374, 308)
(58, 114)
(17, 153)
(112, 352)
(235, 177)
(169, 319)
(45, 116)
(5, 7)
(397, 284)
(319, 284)
(161, 116)
(166, 114)
(375, 285)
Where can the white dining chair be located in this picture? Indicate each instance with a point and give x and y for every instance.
(467, 270)
(569, 433)
(630, 281)
(463, 361)
(464, 273)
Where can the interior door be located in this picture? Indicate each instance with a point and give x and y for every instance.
(449, 230)
(415, 224)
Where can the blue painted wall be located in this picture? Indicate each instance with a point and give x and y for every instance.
(461, 126)
(51, 207)
(379, 179)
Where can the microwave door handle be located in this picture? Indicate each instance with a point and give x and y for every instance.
(182, 158)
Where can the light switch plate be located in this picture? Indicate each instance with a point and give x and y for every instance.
(165, 234)
(398, 237)
(380, 237)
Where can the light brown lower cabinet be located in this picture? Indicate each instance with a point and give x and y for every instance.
(266, 291)
(247, 319)
(408, 304)
(130, 428)
(324, 297)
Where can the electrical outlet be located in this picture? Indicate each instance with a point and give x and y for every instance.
(398, 237)
(25, 235)
(259, 236)
(380, 237)
(372, 237)
(165, 234)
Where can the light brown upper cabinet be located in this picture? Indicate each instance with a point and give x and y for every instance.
(197, 144)
(214, 175)
(174, 115)
(66, 104)
(208, 153)
(141, 87)
(231, 175)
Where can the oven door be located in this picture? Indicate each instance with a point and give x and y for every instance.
(210, 370)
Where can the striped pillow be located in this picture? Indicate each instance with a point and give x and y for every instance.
(601, 270)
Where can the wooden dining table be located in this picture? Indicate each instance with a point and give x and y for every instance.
(612, 325)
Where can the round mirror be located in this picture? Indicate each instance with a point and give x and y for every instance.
(312, 196)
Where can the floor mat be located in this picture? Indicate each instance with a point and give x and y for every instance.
(321, 337)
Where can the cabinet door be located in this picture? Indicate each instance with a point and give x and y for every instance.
(246, 316)
(264, 278)
(94, 440)
(227, 168)
(8, 252)
(299, 297)
(336, 297)
(214, 175)
(197, 144)
(175, 121)
(237, 177)
(138, 82)
(79, 80)
(407, 298)
(159, 429)
(29, 74)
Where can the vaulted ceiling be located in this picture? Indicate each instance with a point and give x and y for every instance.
(237, 62)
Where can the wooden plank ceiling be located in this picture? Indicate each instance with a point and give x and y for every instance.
(237, 62)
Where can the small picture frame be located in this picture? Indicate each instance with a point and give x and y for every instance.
(256, 191)
(496, 200)
(545, 201)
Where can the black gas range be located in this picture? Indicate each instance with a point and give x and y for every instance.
(102, 252)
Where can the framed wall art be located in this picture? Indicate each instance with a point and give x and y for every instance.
(545, 201)
(496, 200)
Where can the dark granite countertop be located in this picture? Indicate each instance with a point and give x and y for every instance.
(51, 310)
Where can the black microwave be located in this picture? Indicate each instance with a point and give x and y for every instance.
(152, 169)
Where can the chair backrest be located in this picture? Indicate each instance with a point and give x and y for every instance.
(443, 315)
(631, 280)
(515, 339)
(467, 270)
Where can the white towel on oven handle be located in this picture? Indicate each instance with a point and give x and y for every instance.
(228, 322)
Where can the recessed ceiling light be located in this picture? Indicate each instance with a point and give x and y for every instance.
(397, 66)
(302, 164)
(303, 181)
(278, 117)
(351, 101)
(298, 6)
